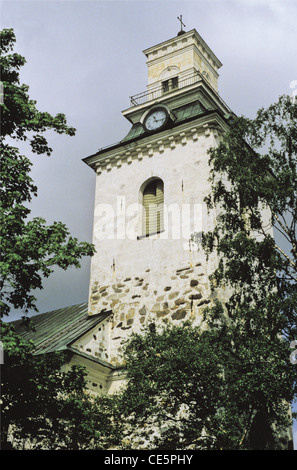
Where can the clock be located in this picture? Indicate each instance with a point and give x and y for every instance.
(156, 119)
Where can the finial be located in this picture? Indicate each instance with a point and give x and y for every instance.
(180, 18)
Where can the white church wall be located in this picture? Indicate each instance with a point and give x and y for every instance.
(163, 277)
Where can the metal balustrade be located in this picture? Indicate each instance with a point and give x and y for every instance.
(159, 91)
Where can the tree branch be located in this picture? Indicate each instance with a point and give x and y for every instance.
(247, 427)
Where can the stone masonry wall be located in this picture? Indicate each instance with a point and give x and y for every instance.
(137, 301)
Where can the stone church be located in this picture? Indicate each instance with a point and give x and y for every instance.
(149, 215)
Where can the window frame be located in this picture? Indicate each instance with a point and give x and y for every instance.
(144, 215)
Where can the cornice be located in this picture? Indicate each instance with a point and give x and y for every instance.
(211, 123)
(182, 40)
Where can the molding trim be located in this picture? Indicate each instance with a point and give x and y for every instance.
(155, 145)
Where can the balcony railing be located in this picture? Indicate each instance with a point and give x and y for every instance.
(157, 92)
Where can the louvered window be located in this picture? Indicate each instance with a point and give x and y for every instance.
(168, 85)
(153, 207)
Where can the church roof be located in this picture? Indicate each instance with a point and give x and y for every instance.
(57, 329)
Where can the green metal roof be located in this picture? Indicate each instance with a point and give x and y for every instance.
(188, 111)
(135, 131)
(182, 114)
(57, 329)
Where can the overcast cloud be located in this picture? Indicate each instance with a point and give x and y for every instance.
(84, 59)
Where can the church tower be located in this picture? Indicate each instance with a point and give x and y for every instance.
(149, 202)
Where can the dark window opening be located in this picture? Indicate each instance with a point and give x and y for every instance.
(170, 84)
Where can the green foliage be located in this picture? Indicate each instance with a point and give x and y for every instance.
(44, 407)
(174, 387)
(19, 115)
(255, 168)
(254, 182)
(29, 249)
(229, 386)
(190, 388)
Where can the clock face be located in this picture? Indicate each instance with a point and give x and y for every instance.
(156, 119)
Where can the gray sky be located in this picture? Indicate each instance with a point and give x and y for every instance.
(84, 59)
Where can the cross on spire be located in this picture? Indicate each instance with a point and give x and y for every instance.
(180, 18)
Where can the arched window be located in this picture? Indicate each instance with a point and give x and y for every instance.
(153, 207)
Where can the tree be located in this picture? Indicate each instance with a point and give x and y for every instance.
(229, 386)
(254, 182)
(44, 407)
(30, 248)
(187, 388)
(36, 396)
(174, 389)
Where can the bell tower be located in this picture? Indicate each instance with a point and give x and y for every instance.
(149, 200)
(178, 59)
